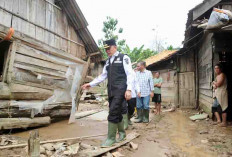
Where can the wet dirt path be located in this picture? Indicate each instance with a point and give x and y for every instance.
(183, 133)
(174, 135)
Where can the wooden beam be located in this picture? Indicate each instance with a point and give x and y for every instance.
(13, 123)
(34, 144)
(204, 7)
(227, 28)
(33, 61)
(100, 151)
(94, 54)
(11, 62)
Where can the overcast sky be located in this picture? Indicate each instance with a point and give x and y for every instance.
(139, 17)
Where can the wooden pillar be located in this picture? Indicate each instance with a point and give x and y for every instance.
(34, 144)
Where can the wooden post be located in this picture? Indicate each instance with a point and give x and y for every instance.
(34, 144)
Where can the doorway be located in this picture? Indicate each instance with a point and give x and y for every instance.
(223, 49)
(4, 48)
(186, 89)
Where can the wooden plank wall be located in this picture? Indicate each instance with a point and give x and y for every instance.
(186, 74)
(168, 90)
(205, 71)
(186, 62)
(36, 73)
(44, 22)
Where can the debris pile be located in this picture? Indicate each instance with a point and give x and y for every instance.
(68, 147)
(218, 19)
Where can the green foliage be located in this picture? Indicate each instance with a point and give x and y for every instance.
(111, 32)
(138, 54)
(170, 47)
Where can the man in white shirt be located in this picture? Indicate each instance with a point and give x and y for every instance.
(118, 71)
(146, 86)
(132, 102)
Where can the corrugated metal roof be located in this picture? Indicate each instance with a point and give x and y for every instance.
(160, 57)
(79, 22)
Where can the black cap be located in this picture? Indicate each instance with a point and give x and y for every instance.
(109, 43)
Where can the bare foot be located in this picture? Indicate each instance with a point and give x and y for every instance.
(216, 123)
(223, 125)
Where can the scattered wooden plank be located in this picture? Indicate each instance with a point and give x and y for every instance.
(13, 123)
(100, 151)
(86, 113)
(199, 117)
(52, 141)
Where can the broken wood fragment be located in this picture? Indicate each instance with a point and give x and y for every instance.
(34, 144)
(52, 141)
(86, 113)
(101, 151)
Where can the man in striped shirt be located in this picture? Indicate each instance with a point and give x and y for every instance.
(146, 85)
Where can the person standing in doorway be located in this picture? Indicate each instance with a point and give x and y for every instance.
(146, 85)
(220, 104)
(119, 72)
(157, 92)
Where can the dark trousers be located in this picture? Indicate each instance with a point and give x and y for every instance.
(117, 107)
(131, 106)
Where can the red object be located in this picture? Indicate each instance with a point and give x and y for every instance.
(9, 34)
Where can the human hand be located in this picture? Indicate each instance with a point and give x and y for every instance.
(151, 94)
(128, 95)
(86, 86)
(139, 95)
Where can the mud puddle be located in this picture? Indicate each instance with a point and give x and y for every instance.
(58, 130)
(183, 134)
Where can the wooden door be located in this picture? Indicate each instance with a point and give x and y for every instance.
(186, 89)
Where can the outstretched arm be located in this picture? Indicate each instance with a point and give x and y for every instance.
(97, 80)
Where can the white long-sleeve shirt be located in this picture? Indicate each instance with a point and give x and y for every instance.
(127, 67)
(135, 86)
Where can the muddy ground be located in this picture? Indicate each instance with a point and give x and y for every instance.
(171, 134)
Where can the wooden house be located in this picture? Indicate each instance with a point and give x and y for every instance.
(165, 64)
(47, 57)
(202, 50)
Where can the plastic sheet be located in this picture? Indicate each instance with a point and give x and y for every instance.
(217, 20)
(73, 77)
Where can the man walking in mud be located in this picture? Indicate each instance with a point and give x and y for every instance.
(118, 71)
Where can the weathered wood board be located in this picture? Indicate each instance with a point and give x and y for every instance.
(11, 123)
(187, 89)
(205, 70)
(42, 21)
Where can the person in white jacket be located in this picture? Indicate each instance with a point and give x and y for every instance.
(131, 104)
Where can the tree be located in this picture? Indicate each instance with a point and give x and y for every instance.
(111, 32)
(138, 54)
(170, 47)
